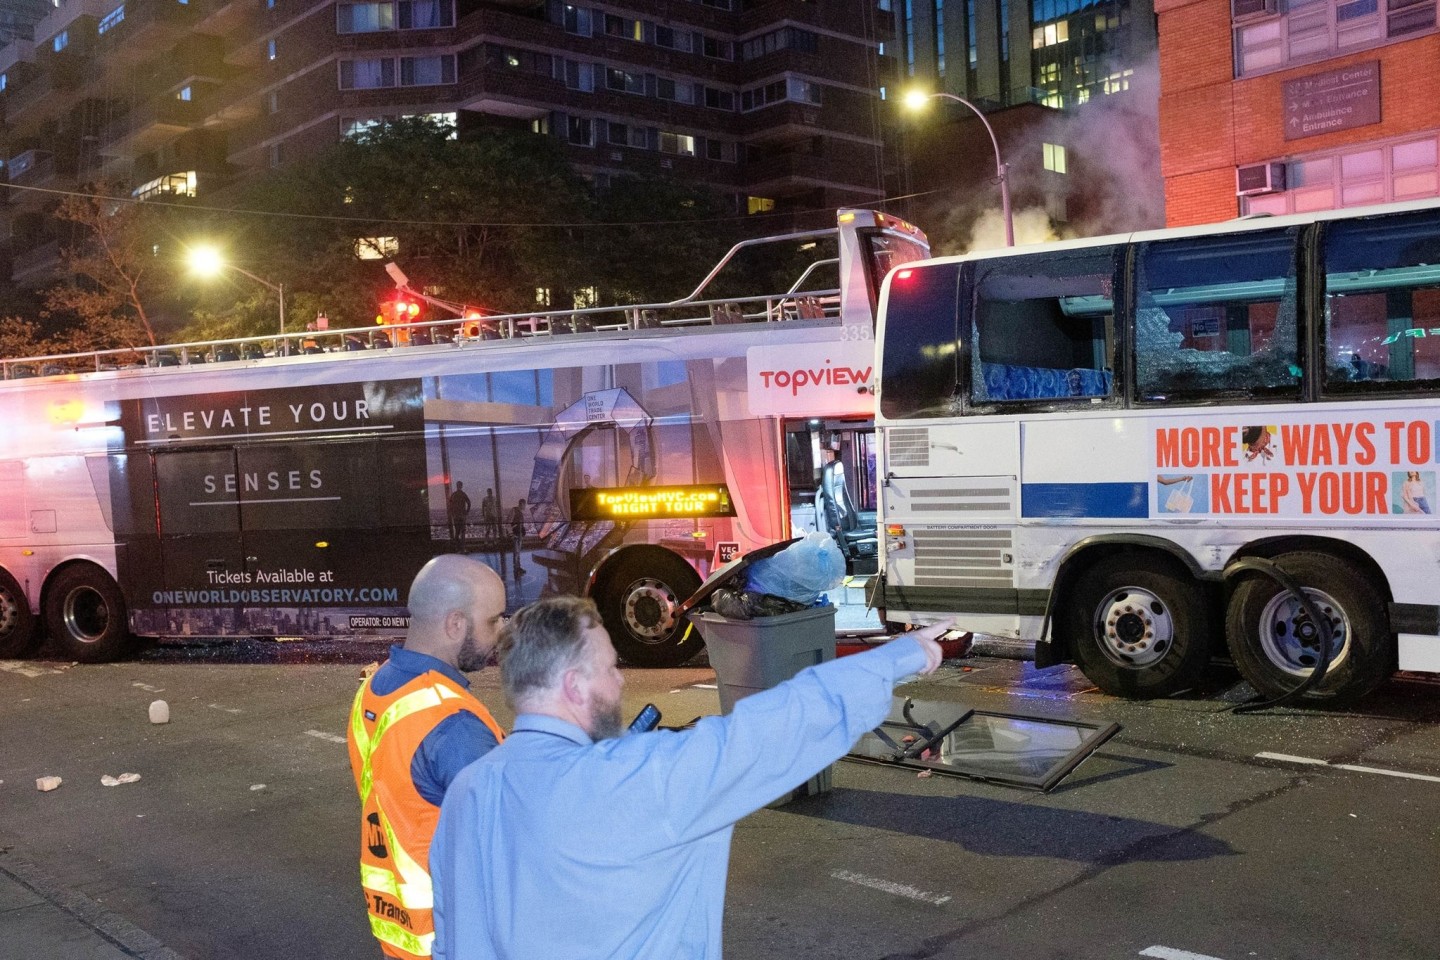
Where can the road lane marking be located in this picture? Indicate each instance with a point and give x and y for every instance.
(24, 669)
(322, 735)
(1353, 767)
(1290, 758)
(890, 886)
(1386, 773)
(1170, 953)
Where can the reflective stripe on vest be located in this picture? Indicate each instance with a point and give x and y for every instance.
(412, 887)
(400, 938)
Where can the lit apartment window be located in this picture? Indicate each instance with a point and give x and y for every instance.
(111, 20)
(376, 248)
(623, 80)
(367, 74)
(270, 49)
(174, 185)
(759, 204)
(364, 17)
(576, 20)
(354, 128)
(1050, 34)
(624, 27)
(186, 93)
(1054, 157)
(677, 143)
(427, 71)
(4, 81)
(61, 41)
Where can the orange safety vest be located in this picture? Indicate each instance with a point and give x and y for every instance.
(397, 823)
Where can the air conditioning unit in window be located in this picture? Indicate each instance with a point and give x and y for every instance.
(1259, 178)
(1246, 9)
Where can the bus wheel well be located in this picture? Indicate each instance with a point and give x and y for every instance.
(1150, 551)
(84, 611)
(639, 590)
(1271, 547)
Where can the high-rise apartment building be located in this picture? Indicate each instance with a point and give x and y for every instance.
(1271, 107)
(1069, 88)
(1000, 53)
(774, 102)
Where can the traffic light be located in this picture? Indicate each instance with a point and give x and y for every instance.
(471, 326)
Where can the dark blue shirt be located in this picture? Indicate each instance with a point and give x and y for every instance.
(455, 743)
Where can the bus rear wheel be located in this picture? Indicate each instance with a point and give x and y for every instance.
(85, 615)
(639, 600)
(1140, 628)
(17, 623)
(1275, 645)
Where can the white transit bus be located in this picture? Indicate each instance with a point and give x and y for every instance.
(1083, 443)
(224, 490)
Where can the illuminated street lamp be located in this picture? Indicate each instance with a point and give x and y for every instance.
(918, 99)
(206, 261)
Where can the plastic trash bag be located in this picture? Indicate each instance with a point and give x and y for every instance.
(747, 605)
(800, 572)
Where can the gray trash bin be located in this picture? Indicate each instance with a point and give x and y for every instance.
(754, 655)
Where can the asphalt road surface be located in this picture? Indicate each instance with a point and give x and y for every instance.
(1193, 834)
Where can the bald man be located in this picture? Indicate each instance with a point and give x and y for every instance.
(413, 727)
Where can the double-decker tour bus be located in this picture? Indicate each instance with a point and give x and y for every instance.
(1100, 444)
(293, 486)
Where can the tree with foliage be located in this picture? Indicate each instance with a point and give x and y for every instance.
(112, 270)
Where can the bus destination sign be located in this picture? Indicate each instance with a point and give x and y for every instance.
(651, 503)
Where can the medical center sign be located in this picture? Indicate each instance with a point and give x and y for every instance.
(1313, 467)
(810, 378)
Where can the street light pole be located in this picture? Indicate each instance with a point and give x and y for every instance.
(279, 289)
(1001, 168)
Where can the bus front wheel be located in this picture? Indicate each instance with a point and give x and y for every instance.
(1275, 645)
(85, 615)
(1139, 628)
(639, 600)
(17, 623)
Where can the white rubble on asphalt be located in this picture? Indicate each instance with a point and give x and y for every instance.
(46, 784)
(109, 781)
(159, 712)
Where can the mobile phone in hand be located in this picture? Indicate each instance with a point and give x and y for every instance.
(646, 720)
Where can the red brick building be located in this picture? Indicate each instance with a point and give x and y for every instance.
(1275, 107)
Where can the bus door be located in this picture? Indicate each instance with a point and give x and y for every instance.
(830, 472)
(202, 558)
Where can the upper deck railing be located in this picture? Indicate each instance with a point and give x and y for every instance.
(686, 313)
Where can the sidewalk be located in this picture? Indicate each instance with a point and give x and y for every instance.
(39, 918)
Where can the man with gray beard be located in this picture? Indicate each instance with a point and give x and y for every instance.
(570, 840)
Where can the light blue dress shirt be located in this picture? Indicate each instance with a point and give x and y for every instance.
(552, 847)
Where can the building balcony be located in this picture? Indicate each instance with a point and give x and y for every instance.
(508, 93)
(33, 168)
(149, 27)
(149, 126)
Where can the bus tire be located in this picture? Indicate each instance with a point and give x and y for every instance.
(639, 600)
(17, 624)
(1274, 646)
(1140, 628)
(85, 615)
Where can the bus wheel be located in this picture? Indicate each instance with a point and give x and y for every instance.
(17, 623)
(85, 615)
(640, 604)
(1275, 645)
(1139, 627)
